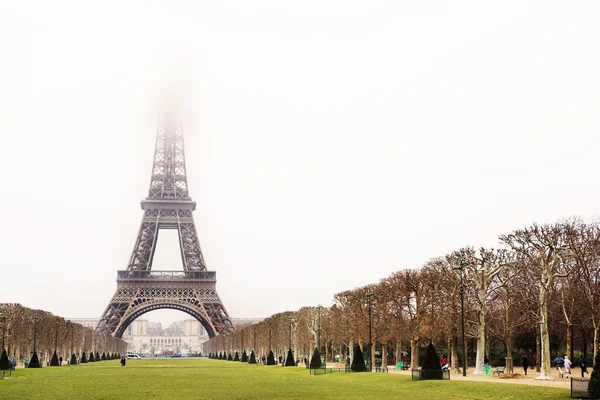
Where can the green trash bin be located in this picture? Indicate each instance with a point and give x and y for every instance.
(487, 370)
(399, 366)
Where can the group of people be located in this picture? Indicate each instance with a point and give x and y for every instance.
(566, 364)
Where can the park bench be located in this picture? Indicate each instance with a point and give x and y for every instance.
(381, 369)
(499, 370)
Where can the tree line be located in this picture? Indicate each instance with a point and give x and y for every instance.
(536, 294)
(50, 330)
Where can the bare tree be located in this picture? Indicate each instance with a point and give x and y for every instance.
(543, 245)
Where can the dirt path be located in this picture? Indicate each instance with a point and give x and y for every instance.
(523, 379)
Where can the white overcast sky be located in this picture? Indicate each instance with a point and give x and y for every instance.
(329, 143)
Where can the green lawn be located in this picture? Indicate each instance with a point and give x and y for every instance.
(176, 379)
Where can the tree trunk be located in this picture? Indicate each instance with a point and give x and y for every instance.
(509, 359)
(351, 350)
(384, 356)
(398, 352)
(537, 352)
(545, 369)
(480, 343)
(596, 342)
(569, 340)
(414, 353)
(454, 356)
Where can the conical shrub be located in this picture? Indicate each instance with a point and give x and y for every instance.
(92, 359)
(252, 359)
(315, 360)
(35, 361)
(236, 357)
(220, 356)
(4, 363)
(54, 360)
(431, 368)
(103, 356)
(73, 359)
(244, 357)
(229, 358)
(98, 357)
(358, 363)
(83, 359)
(289, 360)
(594, 385)
(271, 358)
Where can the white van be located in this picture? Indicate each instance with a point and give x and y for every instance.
(133, 355)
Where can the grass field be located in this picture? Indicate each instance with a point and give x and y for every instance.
(194, 378)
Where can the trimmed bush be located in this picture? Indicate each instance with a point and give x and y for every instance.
(35, 361)
(431, 368)
(236, 357)
(92, 357)
(4, 363)
(229, 358)
(271, 358)
(594, 385)
(289, 360)
(73, 359)
(220, 356)
(98, 357)
(252, 359)
(315, 360)
(244, 357)
(103, 356)
(83, 359)
(358, 363)
(54, 360)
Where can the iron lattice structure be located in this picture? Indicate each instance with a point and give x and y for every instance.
(168, 206)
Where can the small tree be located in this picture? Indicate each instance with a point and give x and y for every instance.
(54, 360)
(35, 361)
(594, 385)
(271, 358)
(4, 363)
(358, 363)
(236, 357)
(252, 358)
(83, 359)
(315, 360)
(92, 359)
(289, 360)
(73, 359)
(431, 369)
(244, 356)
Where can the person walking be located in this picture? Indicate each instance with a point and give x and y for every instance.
(525, 364)
(582, 364)
(567, 365)
(559, 362)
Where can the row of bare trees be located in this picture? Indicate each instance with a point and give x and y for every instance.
(23, 325)
(542, 284)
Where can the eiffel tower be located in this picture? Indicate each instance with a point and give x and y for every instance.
(168, 206)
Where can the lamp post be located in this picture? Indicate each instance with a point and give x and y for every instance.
(291, 319)
(459, 267)
(3, 316)
(56, 335)
(35, 319)
(319, 328)
(369, 294)
(254, 336)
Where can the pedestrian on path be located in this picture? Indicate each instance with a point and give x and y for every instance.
(560, 363)
(567, 366)
(525, 364)
(582, 364)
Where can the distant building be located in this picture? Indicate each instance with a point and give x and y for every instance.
(87, 322)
